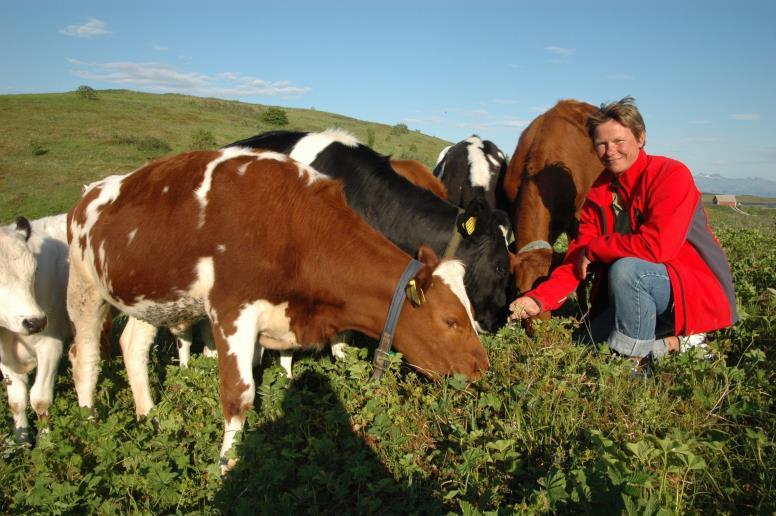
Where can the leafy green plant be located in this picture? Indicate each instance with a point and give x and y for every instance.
(274, 117)
(202, 140)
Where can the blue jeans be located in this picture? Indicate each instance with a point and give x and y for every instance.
(640, 309)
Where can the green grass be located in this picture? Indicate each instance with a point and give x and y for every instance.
(555, 427)
(53, 144)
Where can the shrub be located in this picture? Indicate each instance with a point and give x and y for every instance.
(203, 139)
(370, 137)
(142, 143)
(86, 92)
(37, 148)
(274, 116)
(153, 144)
(400, 129)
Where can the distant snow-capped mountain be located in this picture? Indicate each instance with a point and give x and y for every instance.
(717, 184)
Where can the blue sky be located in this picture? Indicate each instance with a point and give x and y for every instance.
(703, 72)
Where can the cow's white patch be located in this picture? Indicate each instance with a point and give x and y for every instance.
(201, 286)
(131, 236)
(307, 149)
(493, 161)
(166, 189)
(110, 187)
(221, 248)
(479, 171)
(451, 272)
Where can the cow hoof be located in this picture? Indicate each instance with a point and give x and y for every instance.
(226, 465)
(22, 436)
(338, 350)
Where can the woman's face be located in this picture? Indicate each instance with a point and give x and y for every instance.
(616, 146)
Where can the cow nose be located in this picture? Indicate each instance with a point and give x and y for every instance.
(34, 324)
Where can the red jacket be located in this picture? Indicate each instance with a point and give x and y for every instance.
(669, 226)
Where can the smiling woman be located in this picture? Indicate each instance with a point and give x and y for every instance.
(644, 230)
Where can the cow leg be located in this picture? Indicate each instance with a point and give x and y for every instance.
(136, 341)
(338, 347)
(183, 336)
(286, 359)
(206, 334)
(286, 354)
(235, 356)
(16, 384)
(87, 310)
(48, 351)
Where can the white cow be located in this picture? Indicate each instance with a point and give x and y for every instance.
(33, 314)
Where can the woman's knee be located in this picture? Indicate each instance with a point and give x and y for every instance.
(624, 272)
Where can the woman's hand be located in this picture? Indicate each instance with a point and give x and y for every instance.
(523, 308)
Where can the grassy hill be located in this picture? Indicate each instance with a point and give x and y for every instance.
(52, 144)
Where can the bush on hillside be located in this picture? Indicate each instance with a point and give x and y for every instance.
(274, 116)
(203, 139)
(37, 148)
(399, 129)
(86, 92)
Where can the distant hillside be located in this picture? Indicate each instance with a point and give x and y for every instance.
(716, 184)
(52, 144)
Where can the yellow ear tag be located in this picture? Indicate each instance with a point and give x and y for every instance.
(415, 294)
(469, 225)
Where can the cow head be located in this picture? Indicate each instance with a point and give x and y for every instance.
(484, 250)
(19, 312)
(436, 331)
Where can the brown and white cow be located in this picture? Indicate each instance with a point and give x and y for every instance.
(260, 245)
(546, 182)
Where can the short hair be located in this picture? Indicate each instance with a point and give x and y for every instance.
(624, 112)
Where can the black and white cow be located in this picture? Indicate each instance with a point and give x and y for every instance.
(408, 215)
(33, 315)
(471, 168)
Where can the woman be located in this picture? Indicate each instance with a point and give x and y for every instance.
(643, 228)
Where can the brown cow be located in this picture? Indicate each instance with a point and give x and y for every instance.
(420, 175)
(548, 177)
(260, 245)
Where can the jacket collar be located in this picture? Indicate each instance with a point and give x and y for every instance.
(629, 178)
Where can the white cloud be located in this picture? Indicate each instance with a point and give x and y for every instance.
(91, 28)
(160, 48)
(745, 116)
(513, 123)
(165, 78)
(559, 51)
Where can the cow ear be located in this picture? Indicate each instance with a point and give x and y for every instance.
(430, 261)
(473, 217)
(23, 227)
(504, 225)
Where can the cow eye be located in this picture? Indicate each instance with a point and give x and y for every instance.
(501, 271)
(451, 323)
